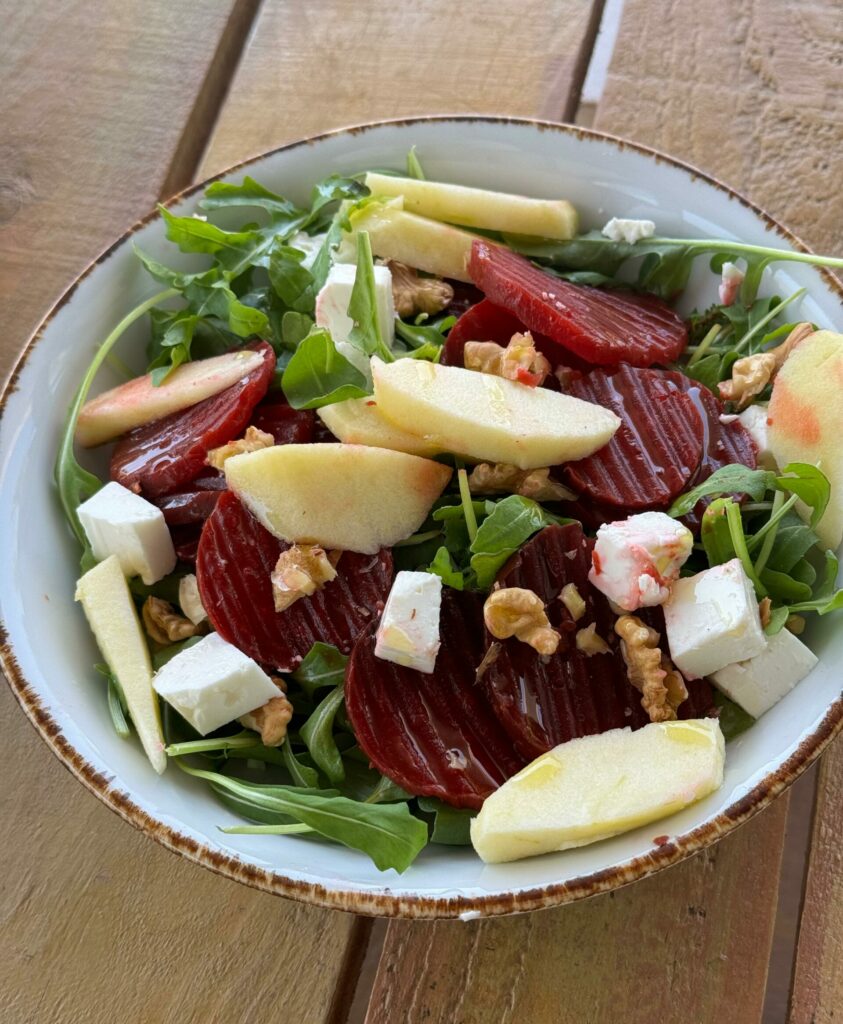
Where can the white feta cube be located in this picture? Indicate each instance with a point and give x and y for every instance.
(189, 600)
(212, 683)
(309, 245)
(119, 522)
(760, 682)
(636, 559)
(731, 279)
(332, 310)
(408, 633)
(712, 620)
(629, 230)
(754, 419)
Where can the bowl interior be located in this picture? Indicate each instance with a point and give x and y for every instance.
(50, 651)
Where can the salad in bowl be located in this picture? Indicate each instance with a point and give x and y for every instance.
(432, 520)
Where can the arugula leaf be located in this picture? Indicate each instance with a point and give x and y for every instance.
(715, 534)
(443, 567)
(512, 521)
(387, 832)
(732, 479)
(332, 190)
(295, 327)
(222, 194)
(290, 281)
(117, 707)
(317, 734)
(810, 484)
(195, 234)
(323, 665)
(782, 587)
(322, 264)
(825, 599)
(318, 374)
(367, 334)
(422, 335)
(301, 774)
(451, 825)
(778, 618)
(414, 168)
(732, 718)
(794, 540)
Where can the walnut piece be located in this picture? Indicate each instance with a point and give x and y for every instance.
(573, 601)
(271, 719)
(765, 607)
(164, 624)
(795, 624)
(590, 642)
(515, 611)
(252, 441)
(413, 294)
(519, 361)
(499, 478)
(662, 687)
(299, 572)
(752, 374)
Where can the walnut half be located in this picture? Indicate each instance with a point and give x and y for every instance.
(500, 478)
(271, 719)
(752, 374)
(413, 294)
(252, 441)
(662, 687)
(164, 624)
(518, 612)
(299, 572)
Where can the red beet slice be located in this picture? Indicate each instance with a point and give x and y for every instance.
(194, 502)
(435, 735)
(186, 541)
(655, 451)
(602, 327)
(159, 457)
(233, 565)
(542, 702)
(723, 443)
(286, 424)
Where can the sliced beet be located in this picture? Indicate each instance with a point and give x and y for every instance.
(603, 327)
(194, 502)
(287, 425)
(435, 735)
(655, 451)
(160, 457)
(186, 541)
(233, 565)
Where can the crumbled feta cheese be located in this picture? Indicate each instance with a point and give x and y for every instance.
(760, 682)
(189, 600)
(119, 522)
(212, 683)
(626, 229)
(332, 310)
(309, 245)
(634, 560)
(731, 279)
(408, 633)
(712, 620)
(754, 419)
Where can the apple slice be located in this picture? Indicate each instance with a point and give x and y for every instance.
(489, 418)
(110, 611)
(478, 207)
(344, 496)
(597, 786)
(805, 419)
(425, 244)
(359, 421)
(138, 401)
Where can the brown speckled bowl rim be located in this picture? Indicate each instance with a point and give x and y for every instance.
(383, 902)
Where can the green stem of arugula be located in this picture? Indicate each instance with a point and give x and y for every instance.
(701, 349)
(772, 522)
(467, 506)
(265, 830)
(733, 518)
(418, 538)
(774, 312)
(117, 364)
(770, 538)
(723, 245)
(204, 746)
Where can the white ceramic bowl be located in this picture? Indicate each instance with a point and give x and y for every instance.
(48, 651)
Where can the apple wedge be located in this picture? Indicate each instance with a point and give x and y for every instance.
(478, 207)
(110, 611)
(359, 421)
(805, 419)
(342, 496)
(597, 786)
(489, 418)
(138, 401)
(425, 244)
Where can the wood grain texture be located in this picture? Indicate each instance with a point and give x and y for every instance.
(661, 950)
(817, 996)
(310, 67)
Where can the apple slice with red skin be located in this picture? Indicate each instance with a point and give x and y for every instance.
(233, 565)
(603, 327)
(433, 734)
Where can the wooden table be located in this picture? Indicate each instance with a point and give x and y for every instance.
(108, 107)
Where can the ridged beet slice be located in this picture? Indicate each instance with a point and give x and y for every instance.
(542, 702)
(655, 451)
(159, 457)
(287, 425)
(435, 735)
(603, 327)
(233, 565)
(194, 502)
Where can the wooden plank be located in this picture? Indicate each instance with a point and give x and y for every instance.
(97, 923)
(818, 976)
(638, 955)
(311, 67)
